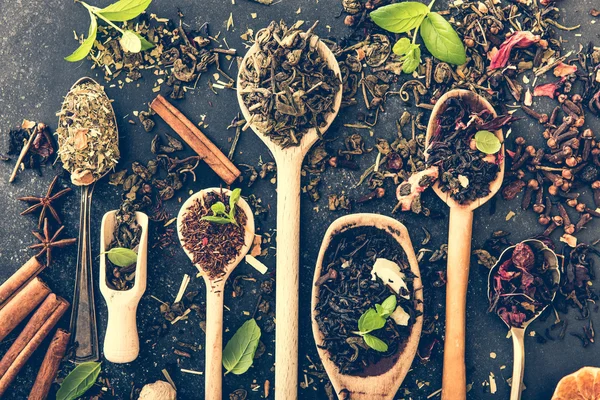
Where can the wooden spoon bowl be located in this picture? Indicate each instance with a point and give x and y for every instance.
(214, 295)
(388, 374)
(454, 381)
(289, 164)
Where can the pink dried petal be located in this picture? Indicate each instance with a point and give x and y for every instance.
(563, 69)
(548, 89)
(415, 188)
(520, 40)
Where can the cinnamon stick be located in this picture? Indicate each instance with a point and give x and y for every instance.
(17, 281)
(21, 305)
(202, 145)
(36, 330)
(49, 369)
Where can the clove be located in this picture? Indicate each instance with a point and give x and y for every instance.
(375, 194)
(568, 226)
(331, 274)
(542, 118)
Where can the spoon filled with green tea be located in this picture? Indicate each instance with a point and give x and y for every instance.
(290, 90)
(88, 146)
(521, 286)
(216, 230)
(367, 310)
(464, 146)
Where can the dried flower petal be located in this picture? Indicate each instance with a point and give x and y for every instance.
(563, 69)
(519, 40)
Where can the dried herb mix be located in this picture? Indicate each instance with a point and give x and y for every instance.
(523, 285)
(212, 245)
(465, 172)
(88, 142)
(347, 291)
(287, 85)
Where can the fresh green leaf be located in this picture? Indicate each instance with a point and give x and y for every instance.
(234, 197)
(388, 306)
(146, 44)
(124, 10)
(487, 142)
(217, 220)
(218, 208)
(121, 256)
(411, 60)
(131, 42)
(84, 49)
(380, 310)
(79, 381)
(402, 46)
(370, 321)
(441, 39)
(400, 17)
(375, 343)
(238, 354)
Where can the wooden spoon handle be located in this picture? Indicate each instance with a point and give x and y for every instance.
(214, 344)
(121, 343)
(454, 380)
(518, 337)
(288, 260)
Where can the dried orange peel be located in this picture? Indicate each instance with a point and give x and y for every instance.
(580, 385)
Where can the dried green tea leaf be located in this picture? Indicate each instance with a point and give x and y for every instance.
(85, 47)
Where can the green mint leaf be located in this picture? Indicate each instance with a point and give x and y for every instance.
(370, 321)
(380, 310)
(412, 60)
(375, 343)
(400, 17)
(84, 49)
(146, 44)
(388, 306)
(402, 46)
(441, 40)
(79, 381)
(131, 42)
(124, 10)
(217, 220)
(238, 354)
(234, 198)
(487, 142)
(121, 256)
(218, 208)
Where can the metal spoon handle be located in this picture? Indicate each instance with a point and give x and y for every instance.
(518, 337)
(83, 314)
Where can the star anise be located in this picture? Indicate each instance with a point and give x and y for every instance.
(45, 203)
(47, 242)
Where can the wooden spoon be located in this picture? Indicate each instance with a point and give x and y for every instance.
(454, 381)
(214, 296)
(83, 313)
(518, 334)
(289, 164)
(121, 341)
(381, 384)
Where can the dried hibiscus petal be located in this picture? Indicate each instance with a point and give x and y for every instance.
(548, 89)
(563, 69)
(523, 257)
(519, 40)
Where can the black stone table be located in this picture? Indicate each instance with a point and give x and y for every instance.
(34, 38)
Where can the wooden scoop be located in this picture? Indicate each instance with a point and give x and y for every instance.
(121, 342)
(214, 296)
(289, 164)
(385, 384)
(518, 334)
(454, 381)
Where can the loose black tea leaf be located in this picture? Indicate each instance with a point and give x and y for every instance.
(287, 85)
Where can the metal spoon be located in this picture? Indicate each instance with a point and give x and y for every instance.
(289, 165)
(518, 334)
(214, 296)
(381, 386)
(84, 331)
(121, 342)
(454, 378)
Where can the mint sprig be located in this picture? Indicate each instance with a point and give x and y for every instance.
(374, 319)
(220, 215)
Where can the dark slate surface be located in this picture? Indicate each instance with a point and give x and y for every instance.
(34, 38)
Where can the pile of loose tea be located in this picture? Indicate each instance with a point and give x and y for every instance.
(523, 286)
(466, 168)
(287, 85)
(212, 245)
(348, 289)
(88, 141)
(127, 235)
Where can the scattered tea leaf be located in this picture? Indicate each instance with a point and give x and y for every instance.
(238, 354)
(441, 40)
(79, 381)
(487, 142)
(400, 17)
(121, 256)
